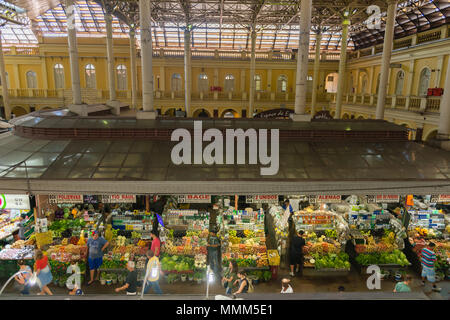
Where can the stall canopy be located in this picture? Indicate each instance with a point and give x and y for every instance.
(144, 166)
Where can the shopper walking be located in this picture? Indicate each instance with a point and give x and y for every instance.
(403, 286)
(43, 273)
(153, 272)
(230, 276)
(213, 252)
(285, 286)
(156, 243)
(96, 246)
(428, 257)
(131, 282)
(24, 277)
(296, 253)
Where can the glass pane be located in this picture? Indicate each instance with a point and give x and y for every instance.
(41, 159)
(131, 173)
(98, 146)
(105, 173)
(67, 160)
(136, 160)
(14, 158)
(90, 160)
(20, 172)
(55, 146)
(81, 173)
(120, 146)
(113, 160)
(33, 145)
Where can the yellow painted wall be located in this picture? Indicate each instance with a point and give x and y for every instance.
(420, 64)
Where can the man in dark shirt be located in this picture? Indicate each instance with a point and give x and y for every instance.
(296, 253)
(131, 281)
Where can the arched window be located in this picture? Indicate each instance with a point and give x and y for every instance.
(257, 82)
(282, 83)
(90, 76)
(378, 83)
(399, 83)
(176, 82)
(424, 82)
(229, 83)
(58, 72)
(31, 80)
(202, 82)
(364, 84)
(121, 72)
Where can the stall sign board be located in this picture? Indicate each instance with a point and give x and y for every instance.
(329, 198)
(275, 113)
(14, 201)
(383, 198)
(262, 198)
(119, 198)
(90, 199)
(65, 198)
(440, 198)
(194, 198)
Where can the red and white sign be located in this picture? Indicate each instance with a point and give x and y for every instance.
(440, 198)
(384, 198)
(262, 198)
(194, 198)
(326, 198)
(65, 198)
(119, 198)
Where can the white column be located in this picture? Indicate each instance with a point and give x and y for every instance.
(386, 57)
(146, 61)
(5, 93)
(252, 74)
(355, 94)
(162, 78)
(440, 66)
(243, 92)
(269, 80)
(341, 73)
(316, 73)
(187, 72)
(302, 62)
(133, 69)
(409, 82)
(444, 116)
(110, 57)
(73, 52)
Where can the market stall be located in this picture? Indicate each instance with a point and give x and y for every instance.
(429, 224)
(326, 233)
(184, 237)
(377, 236)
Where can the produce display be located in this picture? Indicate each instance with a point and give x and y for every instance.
(394, 257)
(431, 226)
(60, 228)
(337, 261)
(247, 247)
(193, 243)
(67, 253)
(59, 271)
(26, 252)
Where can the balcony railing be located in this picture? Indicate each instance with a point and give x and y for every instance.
(27, 51)
(413, 103)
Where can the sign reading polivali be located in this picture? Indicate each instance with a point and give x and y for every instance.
(194, 198)
(14, 201)
(65, 198)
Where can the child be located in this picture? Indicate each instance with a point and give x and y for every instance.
(24, 277)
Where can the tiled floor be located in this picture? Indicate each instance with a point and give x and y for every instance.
(352, 283)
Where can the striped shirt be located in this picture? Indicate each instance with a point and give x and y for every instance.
(428, 258)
